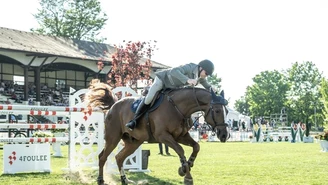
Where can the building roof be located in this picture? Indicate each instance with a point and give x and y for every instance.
(35, 43)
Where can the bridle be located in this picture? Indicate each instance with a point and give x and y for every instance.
(211, 111)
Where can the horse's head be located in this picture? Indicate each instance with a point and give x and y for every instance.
(216, 114)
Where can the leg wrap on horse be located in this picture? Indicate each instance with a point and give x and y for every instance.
(123, 179)
(100, 180)
(183, 160)
(191, 161)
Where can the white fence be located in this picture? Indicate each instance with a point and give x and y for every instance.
(79, 117)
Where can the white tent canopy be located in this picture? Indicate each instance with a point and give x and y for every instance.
(232, 115)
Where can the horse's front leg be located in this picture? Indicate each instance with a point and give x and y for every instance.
(184, 170)
(186, 166)
(189, 141)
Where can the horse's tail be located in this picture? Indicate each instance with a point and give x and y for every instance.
(99, 95)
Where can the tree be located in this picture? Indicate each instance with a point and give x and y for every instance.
(215, 81)
(324, 100)
(75, 19)
(304, 79)
(242, 106)
(268, 93)
(130, 63)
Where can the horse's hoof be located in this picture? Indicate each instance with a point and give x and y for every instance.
(101, 182)
(181, 172)
(128, 181)
(188, 181)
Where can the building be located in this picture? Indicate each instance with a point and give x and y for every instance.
(55, 62)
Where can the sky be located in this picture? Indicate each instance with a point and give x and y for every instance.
(241, 37)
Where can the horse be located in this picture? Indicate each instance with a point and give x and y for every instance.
(169, 123)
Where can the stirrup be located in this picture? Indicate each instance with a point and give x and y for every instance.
(131, 125)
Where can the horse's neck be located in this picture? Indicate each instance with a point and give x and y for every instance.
(192, 101)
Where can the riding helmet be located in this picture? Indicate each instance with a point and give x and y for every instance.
(207, 65)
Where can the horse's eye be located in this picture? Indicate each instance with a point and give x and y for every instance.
(217, 111)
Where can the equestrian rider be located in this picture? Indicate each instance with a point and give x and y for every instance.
(189, 74)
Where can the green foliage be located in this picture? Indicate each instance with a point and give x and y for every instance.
(300, 89)
(215, 81)
(324, 98)
(42, 134)
(75, 19)
(268, 93)
(58, 130)
(304, 79)
(242, 106)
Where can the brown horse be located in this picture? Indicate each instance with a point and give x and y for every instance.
(168, 124)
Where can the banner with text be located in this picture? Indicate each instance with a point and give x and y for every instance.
(26, 158)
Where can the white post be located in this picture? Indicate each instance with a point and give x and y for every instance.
(315, 116)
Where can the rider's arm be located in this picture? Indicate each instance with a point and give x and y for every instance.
(181, 73)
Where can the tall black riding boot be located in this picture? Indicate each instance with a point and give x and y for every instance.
(140, 110)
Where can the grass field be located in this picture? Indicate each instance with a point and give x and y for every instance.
(217, 163)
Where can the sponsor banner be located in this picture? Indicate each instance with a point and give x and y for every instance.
(26, 158)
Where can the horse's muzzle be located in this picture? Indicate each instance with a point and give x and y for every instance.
(223, 134)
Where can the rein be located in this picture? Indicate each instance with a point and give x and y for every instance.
(185, 119)
(210, 110)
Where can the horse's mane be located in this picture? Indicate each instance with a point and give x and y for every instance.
(99, 95)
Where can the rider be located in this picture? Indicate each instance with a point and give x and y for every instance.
(188, 74)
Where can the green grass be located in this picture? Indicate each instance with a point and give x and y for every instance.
(217, 163)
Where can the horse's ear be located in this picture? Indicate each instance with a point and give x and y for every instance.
(226, 102)
(222, 94)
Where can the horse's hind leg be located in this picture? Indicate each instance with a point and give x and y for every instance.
(100, 179)
(110, 145)
(128, 149)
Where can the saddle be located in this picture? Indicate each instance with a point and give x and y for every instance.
(153, 105)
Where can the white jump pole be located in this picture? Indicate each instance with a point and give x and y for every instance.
(33, 140)
(33, 126)
(44, 108)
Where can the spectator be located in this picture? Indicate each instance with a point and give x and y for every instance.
(161, 149)
(12, 119)
(2, 90)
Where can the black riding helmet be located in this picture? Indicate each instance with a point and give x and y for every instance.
(207, 65)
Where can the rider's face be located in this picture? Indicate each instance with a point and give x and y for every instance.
(203, 74)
